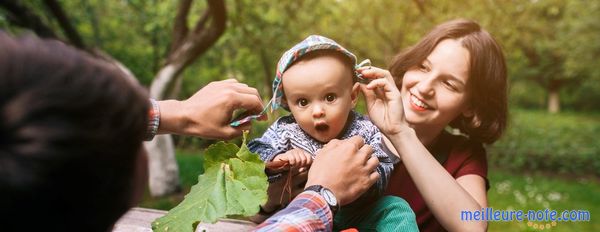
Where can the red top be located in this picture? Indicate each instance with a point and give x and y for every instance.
(458, 156)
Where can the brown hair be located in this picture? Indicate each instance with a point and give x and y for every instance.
(71, 129)
(487, 84)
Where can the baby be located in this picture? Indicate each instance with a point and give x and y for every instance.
(316, 81)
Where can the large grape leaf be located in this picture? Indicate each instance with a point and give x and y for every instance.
(234, 183)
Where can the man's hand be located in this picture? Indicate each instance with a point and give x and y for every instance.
(346, 167)
(208, 112)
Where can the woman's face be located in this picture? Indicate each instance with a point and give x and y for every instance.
(434, 92)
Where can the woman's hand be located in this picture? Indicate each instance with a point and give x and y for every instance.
(384, 102)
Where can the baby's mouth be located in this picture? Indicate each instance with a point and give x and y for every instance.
(322, 127)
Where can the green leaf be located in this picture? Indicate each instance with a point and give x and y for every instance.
(219, 153)
(234, 183)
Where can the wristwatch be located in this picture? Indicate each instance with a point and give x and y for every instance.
(327, 195)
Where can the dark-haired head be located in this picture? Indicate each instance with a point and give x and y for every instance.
(72, 129)
(487, 82)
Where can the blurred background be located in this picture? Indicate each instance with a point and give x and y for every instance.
(548, 158)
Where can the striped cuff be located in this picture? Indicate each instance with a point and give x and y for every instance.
(153, 120)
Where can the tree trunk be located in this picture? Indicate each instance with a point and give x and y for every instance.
(186, 47)
(163, 170)
(553, 101)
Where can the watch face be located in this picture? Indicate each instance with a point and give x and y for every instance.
(329, 197)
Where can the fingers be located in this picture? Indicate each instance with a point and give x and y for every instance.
(251, 102)
(299, 158)
(230, 80)
(241, 95)
(357, 141)
(373, 177)
(384, 84)
(367, 152)
(332, 143)
(374, 72)
(372, 163)
(276, 166)
(293, 158)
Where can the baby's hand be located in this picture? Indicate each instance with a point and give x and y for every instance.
(296, 158)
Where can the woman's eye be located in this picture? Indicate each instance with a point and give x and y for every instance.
(423, 68)
(450, 86)
(302, 102)
(330, 97)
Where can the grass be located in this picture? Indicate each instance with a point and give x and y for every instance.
(510, 191)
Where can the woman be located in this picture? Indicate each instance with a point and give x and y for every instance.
(455, 76)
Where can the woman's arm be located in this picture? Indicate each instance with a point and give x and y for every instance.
(445, 196)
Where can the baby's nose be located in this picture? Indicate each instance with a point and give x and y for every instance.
(318, 111)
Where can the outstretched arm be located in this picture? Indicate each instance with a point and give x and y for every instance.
(208, 112)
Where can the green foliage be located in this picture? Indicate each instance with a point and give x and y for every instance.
(562, 143)
(233, 183)
(547, 43)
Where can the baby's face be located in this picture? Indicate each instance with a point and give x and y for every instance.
(320, 94)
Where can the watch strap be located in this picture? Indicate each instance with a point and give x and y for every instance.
(319, 190)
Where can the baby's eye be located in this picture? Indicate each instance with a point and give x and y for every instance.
(302, 102)
(330, 97)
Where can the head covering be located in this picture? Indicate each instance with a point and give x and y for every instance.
(311, 43)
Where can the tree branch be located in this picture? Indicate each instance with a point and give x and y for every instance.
(191, 47)
(198, 42)
(180, 28)
(202, 21)
(64, 23)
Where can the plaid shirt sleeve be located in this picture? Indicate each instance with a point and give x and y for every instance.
(307, 212)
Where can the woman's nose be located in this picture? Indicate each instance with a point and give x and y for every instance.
(426, 87)
(318, 111)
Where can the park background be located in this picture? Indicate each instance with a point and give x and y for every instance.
(548, 158)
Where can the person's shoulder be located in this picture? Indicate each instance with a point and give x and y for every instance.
(284, 121)
(461, 142)
(362, 120)
(361, 125)
(286, 124)
(288, 119)
(466, 156)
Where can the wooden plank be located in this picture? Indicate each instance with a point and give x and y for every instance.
(140, 219)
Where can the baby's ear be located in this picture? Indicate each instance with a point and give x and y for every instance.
(354, 94)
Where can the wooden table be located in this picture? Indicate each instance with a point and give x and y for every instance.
(140, 219)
